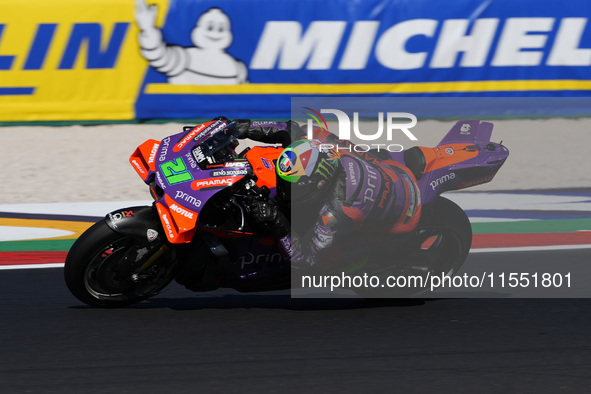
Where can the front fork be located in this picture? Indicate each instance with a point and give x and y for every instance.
(143, 224)
(136, 276)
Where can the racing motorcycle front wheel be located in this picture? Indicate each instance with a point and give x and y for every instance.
(109, 270)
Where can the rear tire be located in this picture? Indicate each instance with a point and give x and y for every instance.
(445, 237)
(102, 268)
(439, 246)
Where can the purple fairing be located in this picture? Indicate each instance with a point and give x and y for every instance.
(460, 175)
(185, 162)
(178, 169)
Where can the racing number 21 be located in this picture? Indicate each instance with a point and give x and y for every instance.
(175, 171)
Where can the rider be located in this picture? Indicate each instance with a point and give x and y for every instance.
(350, 191)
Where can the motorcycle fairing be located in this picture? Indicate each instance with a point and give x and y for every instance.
(262, 160)
(143, 159)
(465, 157)
(170, 163)
(256, 263)
(469, 131)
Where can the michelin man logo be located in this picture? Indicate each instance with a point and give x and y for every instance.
(206, 63)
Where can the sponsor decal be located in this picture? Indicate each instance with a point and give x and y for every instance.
(168, 225)
(160, 181)
(236, 172)
(138, 167)
(187, 198)
(218, 124)
(325, 169)
(352, 176)
(237, 164)
(188, 137)
(212, 183)
(117, 216)
(372, 183)
(449, 151)
(268, 163)
(181, 211)
(199, 155)
(267, 123)
(199, 132)
(465, 129)
(251, 258)
(285, 243)
(440, 181)
(151, 235)
(164, 150)
(153, 152)
(191, 160)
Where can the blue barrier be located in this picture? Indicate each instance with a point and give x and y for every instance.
(276, 50)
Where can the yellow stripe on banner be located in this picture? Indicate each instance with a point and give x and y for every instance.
(76, 227)
(372, 88)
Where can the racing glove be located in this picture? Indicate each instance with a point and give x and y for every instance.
(261, 211)
(266, 214)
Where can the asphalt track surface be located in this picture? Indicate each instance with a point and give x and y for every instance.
(267, 342)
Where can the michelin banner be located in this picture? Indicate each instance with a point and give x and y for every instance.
(143, 59)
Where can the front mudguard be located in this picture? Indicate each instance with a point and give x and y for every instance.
(141, 222)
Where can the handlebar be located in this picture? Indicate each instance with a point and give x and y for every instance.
(218, 147)
(222, 139)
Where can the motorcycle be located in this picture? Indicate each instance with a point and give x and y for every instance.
(198, 230)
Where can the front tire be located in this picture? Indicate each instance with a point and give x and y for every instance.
(104, 268)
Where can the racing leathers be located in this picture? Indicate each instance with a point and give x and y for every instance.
(367, 193)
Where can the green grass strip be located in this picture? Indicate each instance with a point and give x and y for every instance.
(533, 226)
(60, 245)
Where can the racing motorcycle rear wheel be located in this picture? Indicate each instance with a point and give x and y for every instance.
(109, 270)
(445, 237)
(439, 247)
